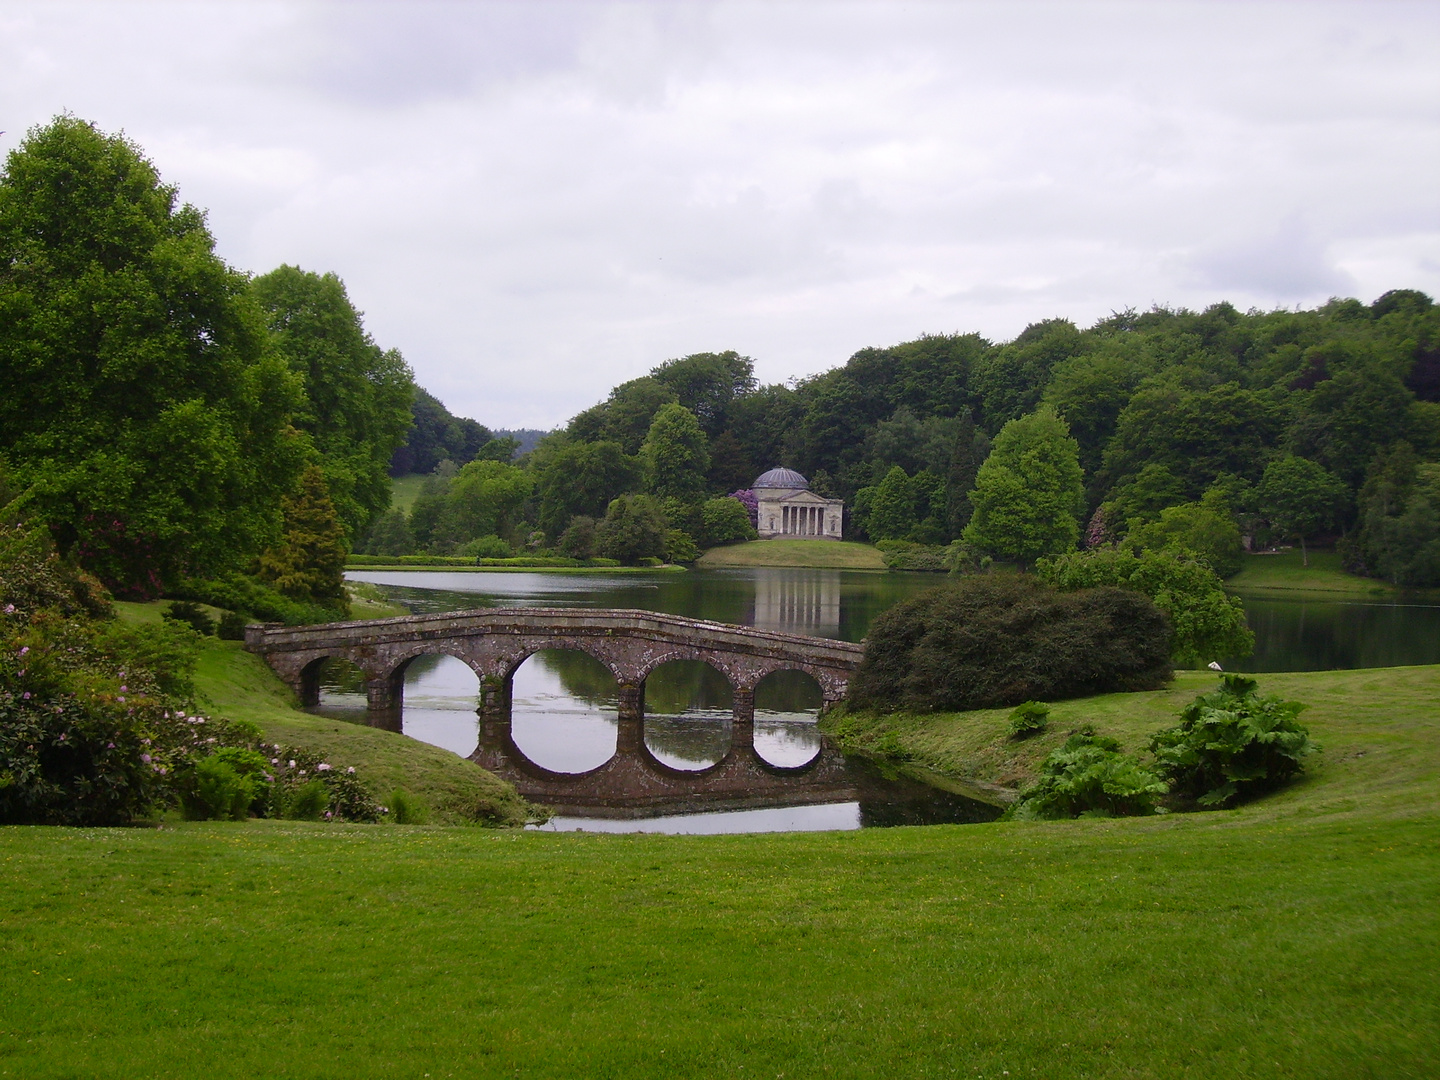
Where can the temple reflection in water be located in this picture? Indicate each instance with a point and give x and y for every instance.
(803, 602)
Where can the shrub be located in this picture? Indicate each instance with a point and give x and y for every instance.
(308, 802)
(218, 792)
(407, 809)
(1090, 776)
(1029, 718)
(191, 614)
(1233, 743)
(231, 627)
(236, 592)
(1000, 639)
(725, 520)
(679, 548)
(908, 555)
(578, 539)
(1205, 622)
(487, 547)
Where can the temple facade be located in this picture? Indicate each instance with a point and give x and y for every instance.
(788, 508)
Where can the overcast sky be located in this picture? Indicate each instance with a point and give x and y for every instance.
(536, 201)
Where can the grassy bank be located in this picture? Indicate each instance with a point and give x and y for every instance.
(1285, 571)
(820, 554)
(1380, 729)
(1294, 937)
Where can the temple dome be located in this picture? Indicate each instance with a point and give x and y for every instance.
(781, 478)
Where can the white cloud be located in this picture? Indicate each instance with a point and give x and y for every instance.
(534, 201)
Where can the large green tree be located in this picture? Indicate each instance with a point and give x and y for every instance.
(1029, 493)
(145, 417)
(580, 478)
(357, 407)
(1300, 497)
(676, 455)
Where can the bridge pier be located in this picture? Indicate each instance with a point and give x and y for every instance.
(496, 694)
(632, 701)
(385, 694)
(742, 726)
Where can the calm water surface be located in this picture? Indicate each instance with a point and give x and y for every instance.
(565, 703)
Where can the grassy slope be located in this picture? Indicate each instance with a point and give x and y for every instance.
(1294, 937)
(1380, 729)
(1285, 572)
(404, 490)
(240, 686)
(825, 554)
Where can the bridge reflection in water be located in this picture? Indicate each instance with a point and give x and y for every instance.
(643, 685)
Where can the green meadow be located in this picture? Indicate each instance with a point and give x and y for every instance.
(1286, 572)
(821, 554)
(1296, 936)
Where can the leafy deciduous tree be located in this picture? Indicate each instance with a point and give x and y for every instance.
(144, 418)
(1028, 493)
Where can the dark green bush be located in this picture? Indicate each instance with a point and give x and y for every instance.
(231, 627)
(308, 802)
(1029, 718)
(1000, 639)
(239, 593)
(1232, 743)
(488, 547)
(908, 555)
(218, 792)
(191, 614)
(1089, 776)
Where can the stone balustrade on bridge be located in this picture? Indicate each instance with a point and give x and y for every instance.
(494, 642)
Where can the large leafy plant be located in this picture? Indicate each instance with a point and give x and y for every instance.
(1089, 775)
(1232, 743)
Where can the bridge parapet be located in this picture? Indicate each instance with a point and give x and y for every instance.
(495, 641)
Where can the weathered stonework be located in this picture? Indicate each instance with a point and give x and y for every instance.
(635, 783)
(494, 642)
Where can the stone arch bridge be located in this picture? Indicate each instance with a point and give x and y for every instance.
(494, 642)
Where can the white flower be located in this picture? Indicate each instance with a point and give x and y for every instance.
(351, 770)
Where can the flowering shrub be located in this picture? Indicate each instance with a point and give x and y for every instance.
(93, 724)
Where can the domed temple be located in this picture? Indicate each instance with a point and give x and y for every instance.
(788, 508)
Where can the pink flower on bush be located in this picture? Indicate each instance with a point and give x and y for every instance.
(24, 649)
(143, 757)
(351, 770)
(322, 767)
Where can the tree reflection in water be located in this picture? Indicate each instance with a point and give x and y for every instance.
(787, 705)
(564, 710)
(688, 714)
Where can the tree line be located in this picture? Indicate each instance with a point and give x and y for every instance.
(1163, 429)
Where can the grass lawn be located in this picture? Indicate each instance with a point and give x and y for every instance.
(1285, 571)
(1294, 937)
(404, 490)
(824, 554)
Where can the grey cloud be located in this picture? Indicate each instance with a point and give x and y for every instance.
(534, 200)
(1283, 263)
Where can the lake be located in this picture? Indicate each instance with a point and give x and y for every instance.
(564, 704)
